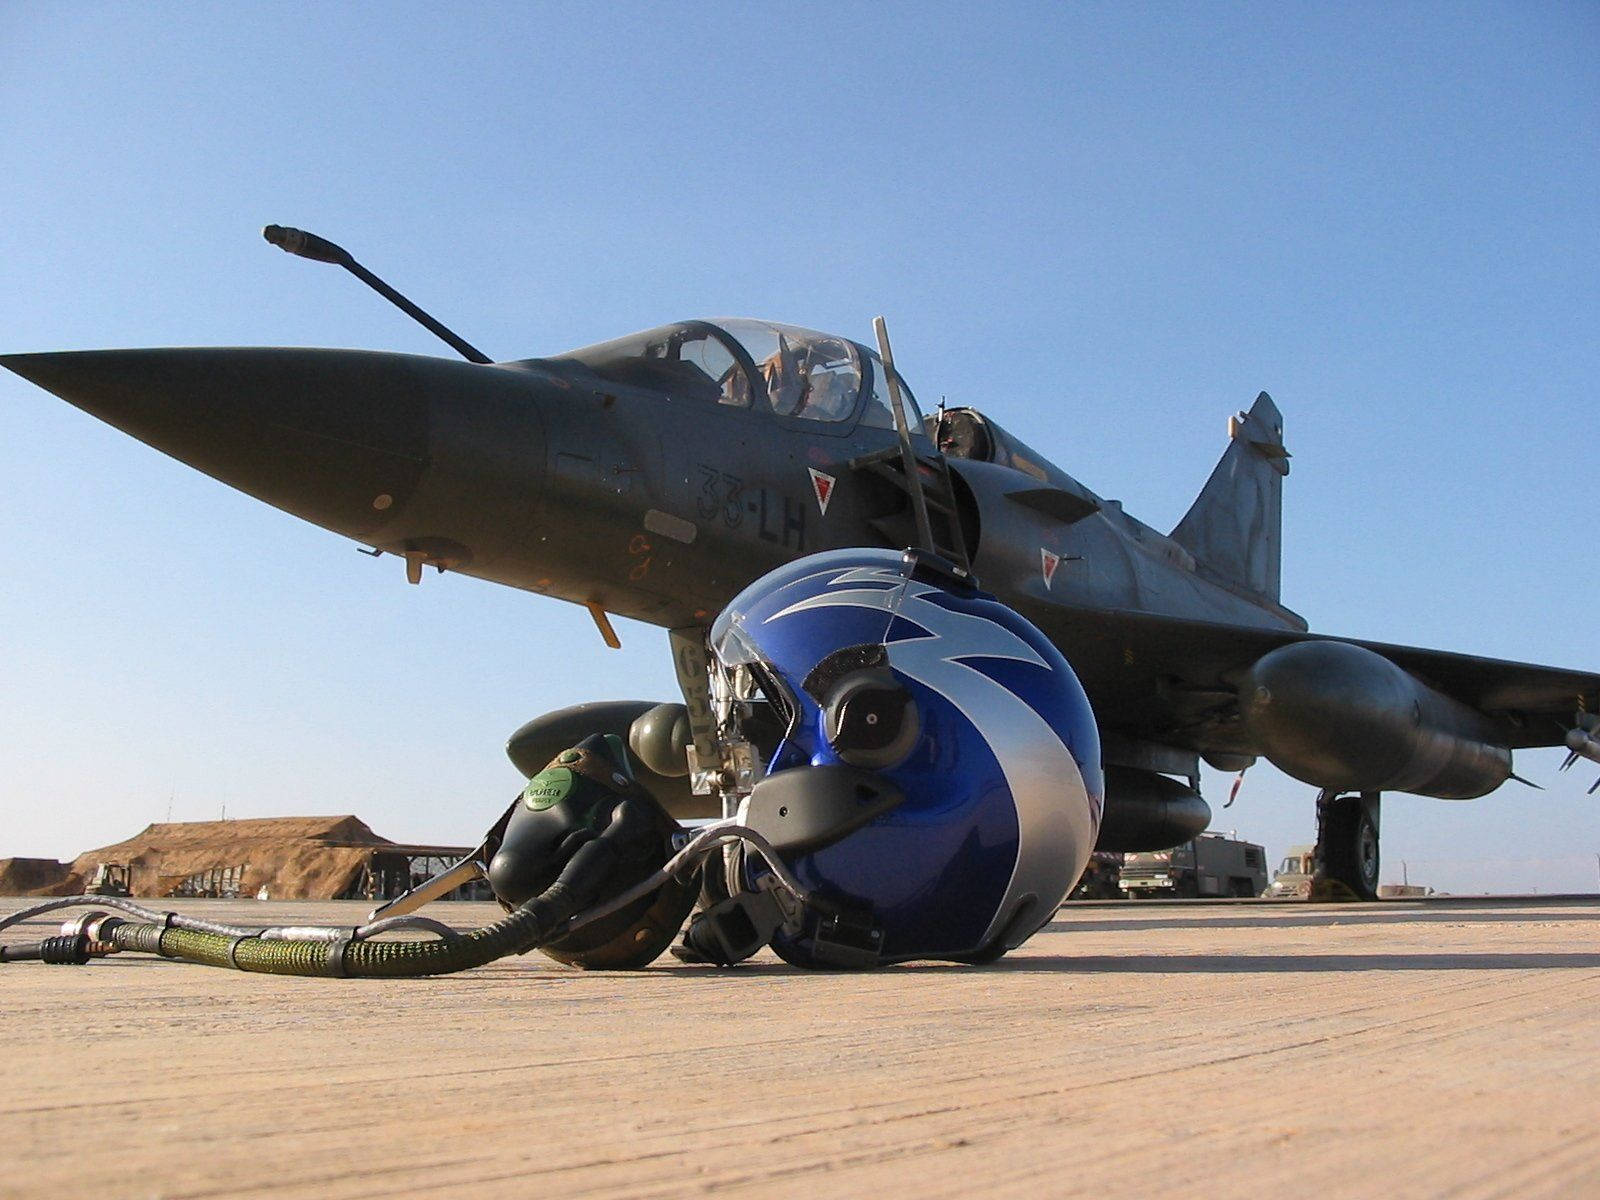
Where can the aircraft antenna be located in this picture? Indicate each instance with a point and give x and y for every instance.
(908, 456)
(308, 245)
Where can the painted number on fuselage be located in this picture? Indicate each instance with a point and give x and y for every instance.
(720, 494)
(777, 517)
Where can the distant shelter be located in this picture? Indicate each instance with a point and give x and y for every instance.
(284, 858)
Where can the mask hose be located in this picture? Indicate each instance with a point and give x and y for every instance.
(524, 930)
(570, 903)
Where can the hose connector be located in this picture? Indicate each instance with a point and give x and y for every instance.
(65, 950)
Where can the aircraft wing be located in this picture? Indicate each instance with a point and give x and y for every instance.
(1173, 681)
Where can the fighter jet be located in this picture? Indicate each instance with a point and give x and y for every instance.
(655, 475)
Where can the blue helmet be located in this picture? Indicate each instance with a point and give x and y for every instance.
(936, 785)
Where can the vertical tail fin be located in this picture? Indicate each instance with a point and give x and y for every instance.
(1235, 526)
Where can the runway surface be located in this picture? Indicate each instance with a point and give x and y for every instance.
(1401, 1049)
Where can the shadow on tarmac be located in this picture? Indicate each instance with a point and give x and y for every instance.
(1321, 918)
(1187, 964)
(1281, 964)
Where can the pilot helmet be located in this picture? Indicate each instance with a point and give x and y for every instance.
(931, 764)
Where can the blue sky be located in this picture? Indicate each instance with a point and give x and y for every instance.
(1107, 225)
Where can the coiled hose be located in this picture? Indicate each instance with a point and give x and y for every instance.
(569, 903)
(518, 933)
(529, 925)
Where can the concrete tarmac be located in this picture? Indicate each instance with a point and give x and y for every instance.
(1402, 1049)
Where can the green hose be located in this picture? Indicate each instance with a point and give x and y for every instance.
(601, 832)
(518, 933)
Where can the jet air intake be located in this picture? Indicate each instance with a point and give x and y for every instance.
(1344, 718)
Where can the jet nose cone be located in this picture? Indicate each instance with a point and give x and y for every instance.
(334, 436)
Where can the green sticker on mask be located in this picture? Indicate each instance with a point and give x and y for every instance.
(547, 788)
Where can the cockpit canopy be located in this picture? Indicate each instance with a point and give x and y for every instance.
(783, 369)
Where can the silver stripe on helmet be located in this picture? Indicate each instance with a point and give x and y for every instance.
(1056, 824)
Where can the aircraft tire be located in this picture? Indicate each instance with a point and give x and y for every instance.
(1348, 843)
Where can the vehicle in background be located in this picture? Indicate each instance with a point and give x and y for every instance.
(1403, 891)
(110, 879)
(1214, 864)
(1100, 879)
(1293, 876)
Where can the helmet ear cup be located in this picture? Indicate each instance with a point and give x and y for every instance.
(870, 719)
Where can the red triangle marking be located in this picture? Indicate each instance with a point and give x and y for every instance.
(1051, 562)
(822, 485)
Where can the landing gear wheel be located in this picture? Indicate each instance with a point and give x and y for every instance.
(1347, 847)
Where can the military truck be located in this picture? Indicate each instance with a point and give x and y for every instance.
(1293, 877)
(1100, 878)
(1214, 864)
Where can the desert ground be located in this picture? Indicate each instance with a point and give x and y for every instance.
(1428, 1048)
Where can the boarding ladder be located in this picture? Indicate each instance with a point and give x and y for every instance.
(904, 467)
(938, 496)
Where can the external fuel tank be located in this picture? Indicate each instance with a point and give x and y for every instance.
(1342, 717)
